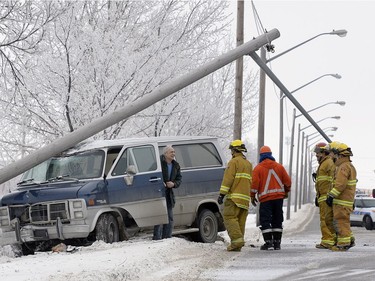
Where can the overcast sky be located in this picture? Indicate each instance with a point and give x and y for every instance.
(350, 56)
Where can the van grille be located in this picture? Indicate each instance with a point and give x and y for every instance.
(48, 213)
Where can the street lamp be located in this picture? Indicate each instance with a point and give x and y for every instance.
(331, 117)
(281, 127)
(325, 130)
(342, 103)
(340, 33)
(262, 78)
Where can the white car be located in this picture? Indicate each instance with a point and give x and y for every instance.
(363, 213)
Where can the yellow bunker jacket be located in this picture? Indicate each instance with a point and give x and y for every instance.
(237, 180)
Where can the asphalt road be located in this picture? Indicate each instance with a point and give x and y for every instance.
(298, 258)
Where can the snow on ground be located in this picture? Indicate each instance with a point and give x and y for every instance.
(137, 259)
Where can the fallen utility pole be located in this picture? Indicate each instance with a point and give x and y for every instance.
(20, 166)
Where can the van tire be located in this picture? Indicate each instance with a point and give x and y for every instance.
(107, 229)
(208, 227)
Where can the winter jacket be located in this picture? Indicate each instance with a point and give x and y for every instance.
(270, 181)
(324, 178)
(175, 178)
(345, 181)
(237, 179)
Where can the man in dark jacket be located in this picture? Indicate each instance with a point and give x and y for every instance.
(172, 179)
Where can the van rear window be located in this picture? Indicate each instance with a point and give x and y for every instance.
(196, 155)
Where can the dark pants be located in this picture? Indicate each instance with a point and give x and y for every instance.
(165, 230)
(271, 216)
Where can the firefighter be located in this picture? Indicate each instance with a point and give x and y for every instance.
(235, 187)
(323, 182)
(271, 183)
(341, 197)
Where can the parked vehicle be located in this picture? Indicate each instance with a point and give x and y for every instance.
(364, 212)
(109, 190)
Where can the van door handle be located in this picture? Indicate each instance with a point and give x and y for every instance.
(154, 179)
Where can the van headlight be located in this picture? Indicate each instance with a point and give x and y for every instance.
(77, 209)
(77, 204)
(78, 215)
(4, 222)
(4, 212)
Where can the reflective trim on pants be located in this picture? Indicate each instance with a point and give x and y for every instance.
(234, 221)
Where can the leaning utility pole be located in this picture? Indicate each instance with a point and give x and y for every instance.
(69, 140)
(237, 131)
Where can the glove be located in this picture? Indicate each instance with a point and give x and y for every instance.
(329, 200)
(314, 176)
(316, 202)
(220, 199)
(254, 201)
(286, 195)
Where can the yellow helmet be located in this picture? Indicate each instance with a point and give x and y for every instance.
(333, 145)
(343, 149)
(238, 145)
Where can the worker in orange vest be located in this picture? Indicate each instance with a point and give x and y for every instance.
(271, 183)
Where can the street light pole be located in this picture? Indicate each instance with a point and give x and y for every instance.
(301, 172)
(281, 86)
(297, 164)
(281, 125)
(262, 81)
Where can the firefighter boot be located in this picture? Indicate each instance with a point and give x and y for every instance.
(267, 237)
(277, 240)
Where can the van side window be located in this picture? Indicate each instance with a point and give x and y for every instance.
(196, 155)
(111, 157)
(142, 157)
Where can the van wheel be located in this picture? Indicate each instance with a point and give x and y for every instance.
(368, 223)
(107, 229)
(208, 227)
(27, 249)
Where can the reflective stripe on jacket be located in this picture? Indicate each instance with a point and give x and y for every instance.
(237, 180)
(270, 181)
(345, 182)
(324, 178)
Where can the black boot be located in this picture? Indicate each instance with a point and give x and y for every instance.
(268, 241)
(277, 240)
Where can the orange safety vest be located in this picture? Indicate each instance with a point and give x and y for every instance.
(270, 181)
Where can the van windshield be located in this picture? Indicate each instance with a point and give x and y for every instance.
(85, 165)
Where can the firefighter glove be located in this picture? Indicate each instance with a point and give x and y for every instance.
(314, 176)
(329, 200)
(316, 202)
(286, 195)
(220, 199)
(254, 201)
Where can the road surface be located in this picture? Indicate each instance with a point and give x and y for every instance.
(298, 259)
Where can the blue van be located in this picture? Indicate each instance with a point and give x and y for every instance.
(111, 189)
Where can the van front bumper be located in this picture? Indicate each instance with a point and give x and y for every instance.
(33, 233)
